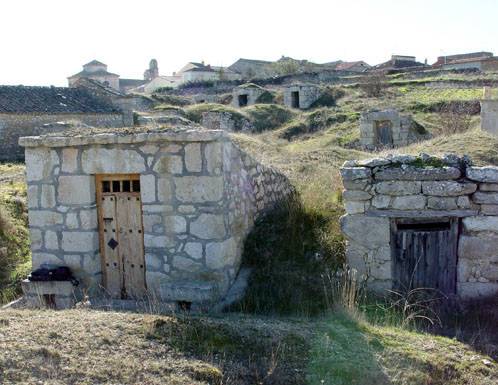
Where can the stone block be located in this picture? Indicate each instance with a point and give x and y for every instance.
(185, 264)
(51, 240)
(76, 190)
(79, 241)
(69, 160)
(214, 157)
(189, 291)
(169, 164)
(409, 202)
(480, 223)
(100, 160)
(72, 221)
(489, 198)
(153, 262)
(157, 241)
(356, 258)
(154, 280)
(448, 188)
(488, 174)
(44, 218)
(63, 292)
(193, 249)
(478, 246)
(149, 148)
(418, 174)
(398, 188)
(32, 195)
(354, 173)
(40, 162)
(208, 226)
(489, 209)
(370, 232)
(356, 195)
(352, 207)
(381, 201)
(199, 189)
(488, 187)
(175, 224)
(476, 290)
(221, 254)
(193, 157)
(88, 219)
(164, 190)
(47, 197)
(148, 188)
(151, 220)
(381, 271)
(463, 202)
(374, 162)
(441, 203)
(359, 184)
(39, 259)
(36, 239)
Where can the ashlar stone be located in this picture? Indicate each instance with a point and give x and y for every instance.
(79, 241)
(175, 224)
(32, 193)
(378, 233)
(489, 198)
(488, 174)
(43, 218)
(208, 226)
(442, 203)
(409, 202)
(88, 219)
(354, 173)
(398, 188)
(100, 160)
(355, 207)
(481, 223)
(169, 164)
(41, 163)
(220, 254)
(356, 195)
(76, 190)
(47, 197)
(148, 188)
(448, 188)
(193, 157)
(194, 250)
(198, 189)
(381, 201)
(69, 160)
(51, 240)
(214, 157)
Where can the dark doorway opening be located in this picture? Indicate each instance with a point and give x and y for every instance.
(295, 99)
(242, 100)
(384, 133)
(424, 255)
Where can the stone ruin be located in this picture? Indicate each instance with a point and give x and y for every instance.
(220, 120)
(134, 213)
(423, 222)
(489, 112)
(301, 95)
(387, 129)
(247, 95)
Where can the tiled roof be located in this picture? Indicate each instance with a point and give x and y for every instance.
(94, 63)
(51, 100)
(132, 82)
(93, 73)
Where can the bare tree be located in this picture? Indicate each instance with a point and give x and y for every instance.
(373, 84)
(454, 117)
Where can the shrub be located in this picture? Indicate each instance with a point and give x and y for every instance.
(453, 118)
(266, 98)
(374, 84)
(328, 97)
(268, 116)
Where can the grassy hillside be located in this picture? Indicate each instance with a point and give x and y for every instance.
(89, 347)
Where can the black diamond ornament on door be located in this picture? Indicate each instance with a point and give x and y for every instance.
(112, 243)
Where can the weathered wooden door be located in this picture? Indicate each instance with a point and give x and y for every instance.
(121, 235)
(425, 255)
(384, 133)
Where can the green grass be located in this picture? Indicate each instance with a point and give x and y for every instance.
(195, 112)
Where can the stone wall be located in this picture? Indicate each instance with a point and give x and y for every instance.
(200, 196)
(224, 121)
(403, 128)
(489, 116)
(308, 94)
(380, 191)
(252, 92)
(13, 126)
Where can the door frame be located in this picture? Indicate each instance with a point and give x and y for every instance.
(99, 178)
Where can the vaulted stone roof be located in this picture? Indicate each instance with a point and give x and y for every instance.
(51, 100)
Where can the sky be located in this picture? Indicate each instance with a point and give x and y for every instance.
(44, 42)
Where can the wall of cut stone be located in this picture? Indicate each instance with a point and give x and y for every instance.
(307, 95)
(489, 116)
(379, 191)
(14, 126)
(253, 94)
(200, 197)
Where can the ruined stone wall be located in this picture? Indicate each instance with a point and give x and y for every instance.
(378, 191)
(14, 126)
(253, 94)
(308, 94)
(224, 121)
(200, 196)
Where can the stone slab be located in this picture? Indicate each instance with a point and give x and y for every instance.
(418, 174)
(421, 213)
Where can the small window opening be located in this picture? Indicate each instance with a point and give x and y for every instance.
(184, 305)
(106, 186)
(431, 226)
(126, 186)
(136, 186)
(295, 99)
(243, 100)
(116, 186)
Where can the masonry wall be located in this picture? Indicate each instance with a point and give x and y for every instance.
(489, 116)
(378, 191)
(224, 121)
(307, 95)
(200, 196)
(14, 126)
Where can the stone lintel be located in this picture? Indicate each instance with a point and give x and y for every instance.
(123, 138)
(421, 213)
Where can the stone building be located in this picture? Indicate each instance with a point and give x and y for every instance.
(247, 95)
(423, 222)
(301, 95)
(96, 70)
(253, 69)
(28, 111)
(489, 112)
(156, 213)
(389, 129)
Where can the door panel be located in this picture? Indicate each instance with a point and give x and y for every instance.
(113, 276)
(131, 245)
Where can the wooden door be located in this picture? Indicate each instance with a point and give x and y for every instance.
(384, 133)
(121, 235)
(425, 256)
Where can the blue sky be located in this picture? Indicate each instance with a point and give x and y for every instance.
(43, 42)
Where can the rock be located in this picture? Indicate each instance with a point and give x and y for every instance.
(148, 188)
(32, 193)
(350, 163)
(381, 271)
(488, 174)
(356, 257)
(51, 240)
(175, 224)
(45, 258)
(221, 254)
(169, 164)
(69, 160)
(193, 249)
(100, 160)
(480, 223)
(489, 209)
(153, 262)
(193, 157)
(354, 207)
(186, 264)
(208, 226)
(214, 157)
(76, 190)
(448, 188)
(378, 233)
(463, 202)
(80, 241)
(39, 163)
(468, 290)
(36, 239)
(44, 218)
(354, 173)
(151, 220)
(199, 189)
(356, 195)
(88, 219)
(158, 241)
(398, 188)
(381, 201)
(401, 158)
(489, 198)
(47, 197)
(442, 203)
(374, 162)
(488, 187)
(409, 202)
(359, 184)
(478, 247)
(418, 174)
